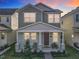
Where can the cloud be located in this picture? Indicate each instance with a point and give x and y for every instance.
(72, 3)
(51, 3)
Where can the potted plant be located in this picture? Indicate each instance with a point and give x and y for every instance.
(54, 45)
(34, 47)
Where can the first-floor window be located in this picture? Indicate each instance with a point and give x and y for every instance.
(26, 36)
(33, 36)
(2, 35)
(29, 36)
(55, 37)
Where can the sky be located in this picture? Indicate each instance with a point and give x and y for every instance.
(64, 5)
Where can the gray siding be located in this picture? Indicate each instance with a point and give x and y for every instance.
(4, 21)
(21, 16)
(39, 15)
(45, 19)
(11, 37)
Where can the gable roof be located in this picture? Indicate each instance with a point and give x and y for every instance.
(6, 11)
(40, 27)
(28, 5)
(41, 7)
(46, 8)
(71, 12)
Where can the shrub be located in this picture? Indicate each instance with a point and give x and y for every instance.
(54, 45)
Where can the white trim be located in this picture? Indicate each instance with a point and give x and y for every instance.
(6, 37)
(40, 37)
(39, 31)
(40, 23)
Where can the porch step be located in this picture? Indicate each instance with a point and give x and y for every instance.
(49, 50)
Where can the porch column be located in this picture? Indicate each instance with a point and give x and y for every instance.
(17, 46)
(62, 43)
(40, 42)
(31, 43)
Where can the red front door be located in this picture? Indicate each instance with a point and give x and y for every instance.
(46, 38)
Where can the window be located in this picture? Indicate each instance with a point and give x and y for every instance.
(29, 17)
(30, 35)
(55, 37)
(2, 35)
(77, 17)
(33, 36)
(57, 18)
(50, 18)
(26, 36)
(53, 18)
(7, 19)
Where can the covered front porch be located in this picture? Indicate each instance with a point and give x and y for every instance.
(47, 39)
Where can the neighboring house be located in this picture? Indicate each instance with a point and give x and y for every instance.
(70, 22)
(40, 25)
(7, 35)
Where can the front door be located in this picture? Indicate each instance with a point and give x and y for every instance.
(46, 38)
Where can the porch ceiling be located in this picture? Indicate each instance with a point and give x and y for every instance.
(40, 27)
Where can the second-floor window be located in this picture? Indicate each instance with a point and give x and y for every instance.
(77, 17)
(7, 19)
(4, 19)
(53, 18)
(29, 17)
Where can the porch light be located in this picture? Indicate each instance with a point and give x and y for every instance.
(72, 36)
(3, 33)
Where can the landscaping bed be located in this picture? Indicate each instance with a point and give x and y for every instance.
(11, 54)
(71, 53)
(3, 49)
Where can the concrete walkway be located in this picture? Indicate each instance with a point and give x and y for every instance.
(48, 56)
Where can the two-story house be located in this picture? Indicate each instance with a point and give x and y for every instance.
(70, 22)
(40, 25)
(7, 35)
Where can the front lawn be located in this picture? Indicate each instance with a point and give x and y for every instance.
(71, 53)
(12, 55)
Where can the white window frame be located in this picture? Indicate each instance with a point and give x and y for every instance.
(53, 19)
(30, 19)
(55, 37)
(57, 18)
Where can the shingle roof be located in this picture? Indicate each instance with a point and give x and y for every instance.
(26, 6)
(40, 7)
(6, 11)
(71, 12)
(46, 8)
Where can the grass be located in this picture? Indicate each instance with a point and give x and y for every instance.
(12, 55)
(71, 54)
